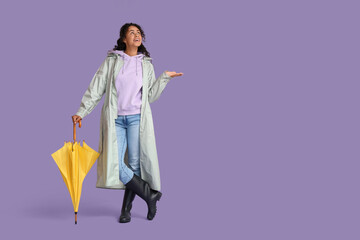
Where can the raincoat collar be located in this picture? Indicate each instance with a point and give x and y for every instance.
(138, 58)
(117, 54)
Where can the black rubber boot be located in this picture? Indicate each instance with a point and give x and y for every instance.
(126, 206)
(143, 190)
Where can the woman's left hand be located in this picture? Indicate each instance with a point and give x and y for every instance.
(173, 74)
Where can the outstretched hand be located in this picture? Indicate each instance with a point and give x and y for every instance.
(173, 74)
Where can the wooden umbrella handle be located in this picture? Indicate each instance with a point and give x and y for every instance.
(74, 131)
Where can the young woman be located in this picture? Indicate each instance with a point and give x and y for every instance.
(128, 156)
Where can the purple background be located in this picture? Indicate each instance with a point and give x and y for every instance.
(259, 139)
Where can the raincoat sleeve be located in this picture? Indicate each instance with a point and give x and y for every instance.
(156, 86)
(95, 91)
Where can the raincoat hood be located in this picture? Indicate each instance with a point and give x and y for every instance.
(126, 58)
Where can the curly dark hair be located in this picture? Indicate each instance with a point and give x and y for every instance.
(122, 46)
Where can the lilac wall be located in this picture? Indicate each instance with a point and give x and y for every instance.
(257, 140)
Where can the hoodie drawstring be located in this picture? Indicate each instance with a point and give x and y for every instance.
(123, 64)
(136, 59)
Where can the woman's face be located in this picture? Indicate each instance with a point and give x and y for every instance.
(133, 37)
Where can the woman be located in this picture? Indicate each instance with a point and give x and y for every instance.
(127, 147)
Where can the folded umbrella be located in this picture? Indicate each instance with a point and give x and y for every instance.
(74, 162)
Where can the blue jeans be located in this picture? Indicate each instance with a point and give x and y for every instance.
(128, 133)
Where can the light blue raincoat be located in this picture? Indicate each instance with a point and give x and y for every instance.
(102, 83)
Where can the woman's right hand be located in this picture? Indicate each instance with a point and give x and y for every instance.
(76, 119)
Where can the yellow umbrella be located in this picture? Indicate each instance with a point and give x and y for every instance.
(74, 162)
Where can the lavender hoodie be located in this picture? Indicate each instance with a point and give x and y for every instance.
(129, 83)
